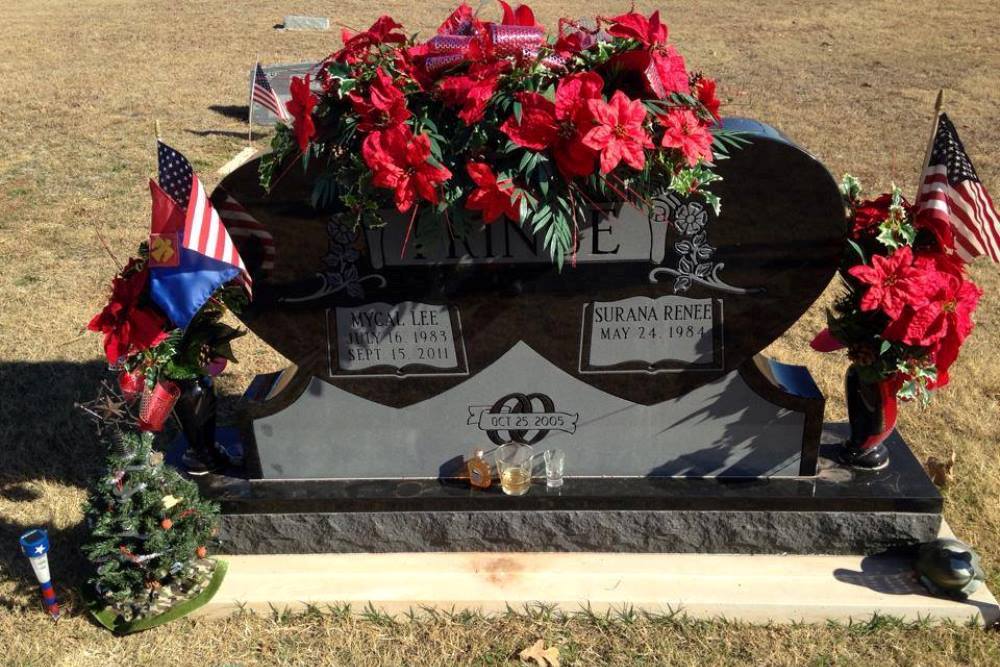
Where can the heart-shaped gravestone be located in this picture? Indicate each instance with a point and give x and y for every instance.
(659, 301)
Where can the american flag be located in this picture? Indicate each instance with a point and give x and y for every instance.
(265, 96)
(243, 227)
(951, 192)
(204, 232)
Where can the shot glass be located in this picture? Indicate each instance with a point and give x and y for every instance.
(554, 461)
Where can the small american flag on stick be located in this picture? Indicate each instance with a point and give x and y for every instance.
(245, 230)
(264, 95)
(204, 232)
(951, 194)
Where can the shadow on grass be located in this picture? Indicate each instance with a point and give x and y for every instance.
(45, 436)
(218, 133)
(234, 111)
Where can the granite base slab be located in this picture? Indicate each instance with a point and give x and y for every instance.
(630, 531)
(838, 511)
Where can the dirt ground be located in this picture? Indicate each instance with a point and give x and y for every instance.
(82, 84)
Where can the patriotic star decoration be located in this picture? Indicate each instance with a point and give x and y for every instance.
(948, 150)
(176, 174)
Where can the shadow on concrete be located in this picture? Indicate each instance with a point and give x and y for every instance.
(891, 573)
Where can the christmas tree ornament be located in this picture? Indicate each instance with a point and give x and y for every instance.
(35, 545)
(109, 409)
(157, 404)
(170, 501)
(125, 494)
(201, 552)
(166, 524)
(131, 384)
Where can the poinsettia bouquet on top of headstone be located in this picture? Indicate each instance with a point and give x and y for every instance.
(491, 120)
(908, 303)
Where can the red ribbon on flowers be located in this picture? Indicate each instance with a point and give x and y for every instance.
(439, 44)
(449, 49)
(515, 40)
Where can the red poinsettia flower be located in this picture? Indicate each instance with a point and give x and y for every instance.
(571, 42)
(399, 162)
(647, 31)
(942, 262)
(383, 31)
(473, 90)
(559, 126)
(522, 16)
(385, 106)
(682, 130)
(619, 133)
(936, 225)
(662, 68)
(128, 327)
(869, 214)
(300, 107)
(943, 322)
(494, 198)
(704, 90)
(894, 282)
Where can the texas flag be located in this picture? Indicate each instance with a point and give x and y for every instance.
(190, 252)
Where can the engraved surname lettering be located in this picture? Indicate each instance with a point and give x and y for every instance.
(529, 242)
(596, 231)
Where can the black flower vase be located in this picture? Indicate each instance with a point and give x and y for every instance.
(871, 410)
(195, 411)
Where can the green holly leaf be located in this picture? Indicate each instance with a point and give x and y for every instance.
(850, 187)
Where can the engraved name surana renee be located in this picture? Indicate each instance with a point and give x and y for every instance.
(649, 331)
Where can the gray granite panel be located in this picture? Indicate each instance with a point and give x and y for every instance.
(577, 530)
(721, 428)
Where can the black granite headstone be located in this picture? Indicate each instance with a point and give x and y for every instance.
(640, 358)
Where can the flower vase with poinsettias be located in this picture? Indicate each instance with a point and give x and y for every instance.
(166, 369)
(903, 317)
(488, 120)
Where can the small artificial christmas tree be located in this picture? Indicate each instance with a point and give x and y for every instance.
(148, 532)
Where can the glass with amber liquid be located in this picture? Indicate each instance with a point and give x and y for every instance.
(514, 465)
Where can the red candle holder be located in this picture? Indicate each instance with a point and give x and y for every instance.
(156, 405)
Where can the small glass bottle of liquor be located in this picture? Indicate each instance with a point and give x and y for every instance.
(480, 473)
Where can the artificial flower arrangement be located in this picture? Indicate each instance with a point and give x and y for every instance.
(152, 354)
(908, 303)
(492, 120)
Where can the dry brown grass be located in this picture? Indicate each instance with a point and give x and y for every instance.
(82, 84)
